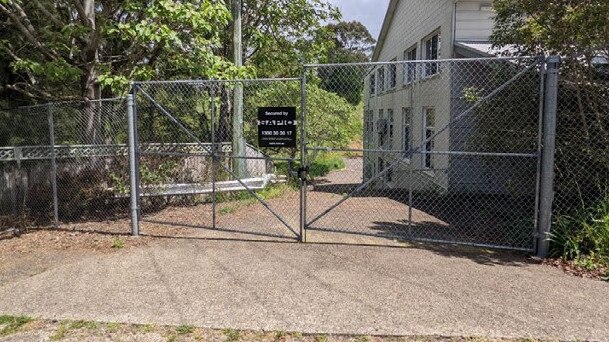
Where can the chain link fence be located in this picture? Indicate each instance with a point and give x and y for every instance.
(445, 151)
(450, 152)
(581, 204)
(200, 164)
(62, 166)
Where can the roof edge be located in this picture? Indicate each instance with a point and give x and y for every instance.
(393, 4)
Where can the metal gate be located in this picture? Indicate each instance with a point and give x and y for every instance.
(199, 164)
(450, 152)
(439, 151)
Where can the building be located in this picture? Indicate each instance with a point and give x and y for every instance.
(408, 103)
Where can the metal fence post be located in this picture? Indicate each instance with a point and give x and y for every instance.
(53, 165)
(135, 225)
(214, 157)
(303, 157)
(546, 195)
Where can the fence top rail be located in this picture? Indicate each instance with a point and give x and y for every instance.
(212, 81)
(65, 103)
(419, 61)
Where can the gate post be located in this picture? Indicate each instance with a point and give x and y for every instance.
(133, 183)
(546, 196)
(302, 174)
(53, 165)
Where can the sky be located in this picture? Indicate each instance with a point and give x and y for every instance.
(369, 12)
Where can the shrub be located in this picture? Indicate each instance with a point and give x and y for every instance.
(583, 236)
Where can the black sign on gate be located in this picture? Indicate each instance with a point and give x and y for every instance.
(277, 126)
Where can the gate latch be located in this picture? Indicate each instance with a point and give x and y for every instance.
(303, 172)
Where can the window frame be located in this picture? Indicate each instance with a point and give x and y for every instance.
(381, 136)
(406, 129)
(427, 160)
(380, 82)
(410, 69)
(390, 122)
(431, 69)
(393, 74)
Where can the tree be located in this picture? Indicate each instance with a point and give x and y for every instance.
(77, 49)
(577, 30)
(281, 35)
(352, 43)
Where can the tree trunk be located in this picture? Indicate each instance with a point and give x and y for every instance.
(89, 83)
(226, 107)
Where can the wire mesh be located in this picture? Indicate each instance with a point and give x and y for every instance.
(25, 187)
(201, 165)
(449, 152)
(76, 183)
(582, 158)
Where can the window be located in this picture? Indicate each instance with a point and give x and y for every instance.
(429, 120)
(390, 117)
(381, 129)
(372, 84)
(368, 128)
(432, 52)
(410, 68)
(381, 79)
(367, 171)
(389, 174)
(393, 70)
(406, 114)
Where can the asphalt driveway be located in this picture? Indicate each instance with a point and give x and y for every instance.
(316, 288)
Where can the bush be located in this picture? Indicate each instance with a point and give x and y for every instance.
(584, 236)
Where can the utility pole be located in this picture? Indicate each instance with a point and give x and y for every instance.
(238, 143)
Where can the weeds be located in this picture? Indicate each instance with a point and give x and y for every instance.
(231, 334)
(118, 243)
(66, 327)
(321, 338)
(12, 324)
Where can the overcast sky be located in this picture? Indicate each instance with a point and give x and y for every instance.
(370, 12)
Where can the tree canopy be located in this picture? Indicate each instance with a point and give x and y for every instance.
(87, 49)
(571, 28)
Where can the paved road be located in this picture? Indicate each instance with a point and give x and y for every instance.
(317, 289)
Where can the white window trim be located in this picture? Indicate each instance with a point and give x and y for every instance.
(405, 80)
(424, 56)
(406, 145)
(424, 139)
(393, 71)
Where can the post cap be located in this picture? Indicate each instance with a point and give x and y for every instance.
(554, 59)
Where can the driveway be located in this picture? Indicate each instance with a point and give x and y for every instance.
(314, 288)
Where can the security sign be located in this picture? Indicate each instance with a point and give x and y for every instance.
(277, 126)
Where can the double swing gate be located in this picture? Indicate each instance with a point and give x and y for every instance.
(438, 151)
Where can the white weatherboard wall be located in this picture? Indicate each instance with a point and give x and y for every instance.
(474, 21)
(413, 21)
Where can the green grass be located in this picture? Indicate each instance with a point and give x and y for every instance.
(319, 165)
(185, 329)
(227, 210)
(12, 324)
